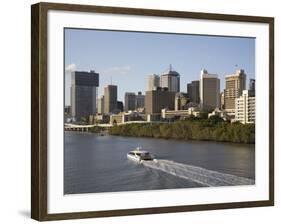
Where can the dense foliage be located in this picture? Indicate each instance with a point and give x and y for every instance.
(96, 129)
(212, 129)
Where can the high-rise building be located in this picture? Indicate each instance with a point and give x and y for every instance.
(156, 100)
(170, 80)
(181, 101)
(209, 91)
(130, 101)
(245, 108)
(110, 99)
(234, 85)
(120, 106)
(153, 82)
(222, 100)
(140, 100)
(252, 86)
(67, 109)
(193, 91)
(101, 105)
(83, 95)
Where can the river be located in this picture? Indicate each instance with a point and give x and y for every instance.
(94, 163)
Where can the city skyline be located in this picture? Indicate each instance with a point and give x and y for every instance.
(120, 61)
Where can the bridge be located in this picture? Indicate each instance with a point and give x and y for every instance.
(78, 127)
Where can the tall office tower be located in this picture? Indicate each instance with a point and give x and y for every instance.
(170, 80)
(67, 109)
(83, 96)
(193, 91)
(222, 100)
(140, 100)
(130, 101)
(110, 99)
(245, 108)
(181, 101)
(252, 86)
(101, 105)
(120, 106)
(156, 100)
(153, 82)
(234, 85)
(209, 91)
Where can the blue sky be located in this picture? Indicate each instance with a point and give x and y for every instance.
(127, 58)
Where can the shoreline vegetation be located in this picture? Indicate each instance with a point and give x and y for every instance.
(211, 129)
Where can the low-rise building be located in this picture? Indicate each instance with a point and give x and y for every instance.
(99, 119)
(117, 118)
(180, 114)
(124, 117)
(220, 113)
(153, 117)
(181, 101)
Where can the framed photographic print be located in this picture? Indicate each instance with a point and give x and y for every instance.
(140, 111)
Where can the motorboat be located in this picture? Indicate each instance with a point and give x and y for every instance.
(139, 155)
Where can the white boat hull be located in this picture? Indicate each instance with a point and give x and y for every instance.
(134, 158)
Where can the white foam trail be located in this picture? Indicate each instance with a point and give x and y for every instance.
(198, 174)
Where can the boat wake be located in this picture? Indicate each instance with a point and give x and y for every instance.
(197, 174)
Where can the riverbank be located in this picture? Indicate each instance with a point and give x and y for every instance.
(201, 129)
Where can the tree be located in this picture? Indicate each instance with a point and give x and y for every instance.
(213, 129)
(215, 119)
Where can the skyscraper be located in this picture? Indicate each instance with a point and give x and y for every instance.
(193, 91)
(120, 106)
(83, 93)
(170, 80)
(101, 105)
(153, 82)
(156, 100)
(209, 91)
(234, 86)
(222, 100)
(140, 100)
(110, 99)
(252, 86)
(130, 101)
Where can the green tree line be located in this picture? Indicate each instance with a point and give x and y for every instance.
(96, 129)
(212, 129)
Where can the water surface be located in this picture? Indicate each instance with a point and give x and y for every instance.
(94, 163)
